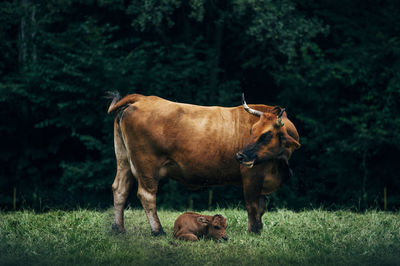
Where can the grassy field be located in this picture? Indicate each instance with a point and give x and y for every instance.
(316, 237)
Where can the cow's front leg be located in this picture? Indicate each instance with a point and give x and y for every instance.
(148, 198)
(252, 186)
(253, 219)
(261, 210)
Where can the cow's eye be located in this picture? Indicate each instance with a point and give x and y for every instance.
(265, 138)
(216, 227)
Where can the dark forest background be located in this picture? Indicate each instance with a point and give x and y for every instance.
(333, 64)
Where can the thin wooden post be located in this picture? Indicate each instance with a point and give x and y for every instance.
(190, 202)
(385, 198)
(15, 198)
(210, 196)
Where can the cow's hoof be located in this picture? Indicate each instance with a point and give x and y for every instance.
(254, 230)
(158, 233)
(118, 229)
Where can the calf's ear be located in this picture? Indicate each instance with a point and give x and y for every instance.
(202, 220)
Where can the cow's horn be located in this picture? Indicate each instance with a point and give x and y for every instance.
(248, 109)
(279, 122)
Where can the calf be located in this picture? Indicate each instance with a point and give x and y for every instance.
(191, 226)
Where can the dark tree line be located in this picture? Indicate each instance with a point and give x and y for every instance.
(333, 64)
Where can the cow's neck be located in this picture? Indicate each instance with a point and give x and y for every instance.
(243, 124)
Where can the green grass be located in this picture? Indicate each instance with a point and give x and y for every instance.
(316, 237)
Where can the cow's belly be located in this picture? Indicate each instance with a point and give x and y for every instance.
(198, 176)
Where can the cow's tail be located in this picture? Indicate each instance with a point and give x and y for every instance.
(117, 106)
(118, 102)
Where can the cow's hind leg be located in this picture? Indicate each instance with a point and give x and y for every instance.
(121, 187)
(147, 195)
(123, 181)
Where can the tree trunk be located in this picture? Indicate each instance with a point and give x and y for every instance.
(23, 108)
(22, 49)
(33, 34)
(216, 59)
(190, 95)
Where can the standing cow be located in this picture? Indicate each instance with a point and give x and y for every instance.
(198, 146)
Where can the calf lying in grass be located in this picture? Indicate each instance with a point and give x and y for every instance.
(191, 226)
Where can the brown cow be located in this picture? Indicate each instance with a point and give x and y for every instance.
(191, 226)
(196, 145)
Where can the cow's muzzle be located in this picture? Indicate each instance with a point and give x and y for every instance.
(244, 160)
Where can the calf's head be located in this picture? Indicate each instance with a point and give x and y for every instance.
(269, 138)
(216, 227)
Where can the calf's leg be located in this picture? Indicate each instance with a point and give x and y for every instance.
(188, 237)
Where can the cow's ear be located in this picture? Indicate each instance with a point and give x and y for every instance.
(277, 110)
(294, 143)
(202, 220)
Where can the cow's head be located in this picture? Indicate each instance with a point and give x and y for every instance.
(269, 138)
(216, 228)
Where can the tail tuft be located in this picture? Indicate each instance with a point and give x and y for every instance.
(115, 96)
(118, 103)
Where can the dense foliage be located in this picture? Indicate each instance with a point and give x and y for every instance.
(334, 64)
